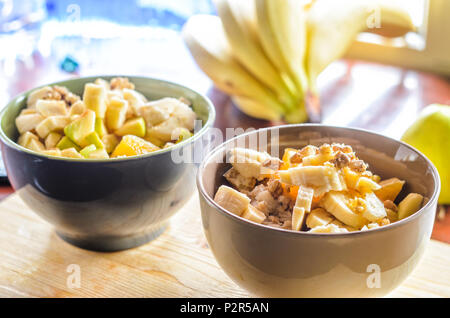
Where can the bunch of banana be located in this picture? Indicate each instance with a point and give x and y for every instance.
(267, 54)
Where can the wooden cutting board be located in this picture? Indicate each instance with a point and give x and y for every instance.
(35, 262)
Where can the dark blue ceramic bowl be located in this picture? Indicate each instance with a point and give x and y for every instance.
(113, 204)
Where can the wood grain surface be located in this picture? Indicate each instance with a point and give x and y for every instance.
(34, 263)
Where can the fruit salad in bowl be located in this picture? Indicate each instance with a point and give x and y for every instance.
(325, 189)
(94, 156)
(110, 120)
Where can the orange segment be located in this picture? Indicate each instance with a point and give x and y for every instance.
(132, 146)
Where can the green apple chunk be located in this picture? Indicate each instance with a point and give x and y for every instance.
(116, 113)
(81, 127)
(66, 143)
(50, 124)
(87, 150)
(134, 126)
(51, 107)
(94, 98)
(94, 139)
(100, 127)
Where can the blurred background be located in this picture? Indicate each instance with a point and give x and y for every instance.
(381, 84)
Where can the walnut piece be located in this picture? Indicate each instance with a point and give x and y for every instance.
(121, 83)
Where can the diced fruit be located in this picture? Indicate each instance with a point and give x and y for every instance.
(409, 205)
(116, 113)
(304, 198)
(365, 184)
(132, 127)
(27, 111)
(350, 177)
(390, 188)
(52, 152)
(374, 210)
(86, 151)
(135, 101)
(391, 215)
(51, 107)
(153, 115)
(52, 140)
(180, 134)
(100, 127)
(254, 215)
(26, 138)
(71, 153)
(98, 154)
(35, 145)
(110, 141)
(318, 217)
(95, 99)
(343, 226)
(66, 143)
(81, 127)
(77, 109)
(156, 141)
(232, 200)
(52, 124)
(321, 178)
(164, 130)
(40, 93)
(298, 217)
(94, 139)
(104, 83)
(185, 114)
(288, 153)
(336, 204)
(132, 146)
(28, 122)
(329, 228)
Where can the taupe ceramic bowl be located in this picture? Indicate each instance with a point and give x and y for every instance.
(272, 262)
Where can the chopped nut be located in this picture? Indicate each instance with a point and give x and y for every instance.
(325, 149)
(304, 152)
(275, 187)
(358, 166)
(273, 163)
(384, 222)
(341, 160)
(121, 83)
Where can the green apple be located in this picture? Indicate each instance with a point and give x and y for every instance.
(430, 134)
(134, 126)
(100, 127)
(81, 127)
(86, 151)
(94, 139)
(66, 143)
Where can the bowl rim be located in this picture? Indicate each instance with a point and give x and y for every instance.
(287, 232)
(208, 124)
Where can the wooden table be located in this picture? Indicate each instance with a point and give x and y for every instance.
(34, 262)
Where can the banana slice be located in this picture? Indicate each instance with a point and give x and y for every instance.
(322, 178)
(336, 204)
(254, 215)
(318, 217)
(248, 162)
(329, 228)
(206, 40)
(298, 217)
(232, 200)
(304, 198)
(374, 210)
(409, 205)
